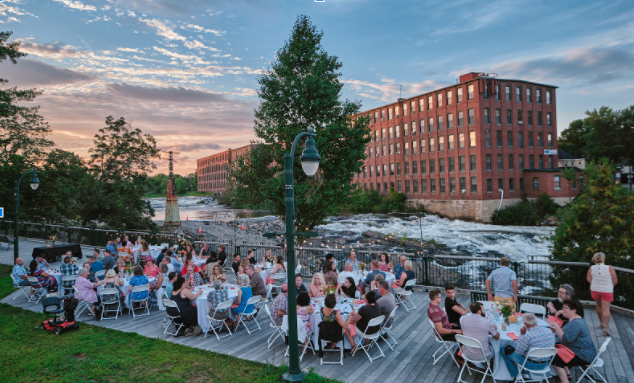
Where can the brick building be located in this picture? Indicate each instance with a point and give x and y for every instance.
(455, 148)
(213, 170)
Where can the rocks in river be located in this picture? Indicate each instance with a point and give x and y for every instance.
(373, 234)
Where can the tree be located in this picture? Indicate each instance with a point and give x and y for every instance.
(302, 89)
(605, 137)
(572, 139)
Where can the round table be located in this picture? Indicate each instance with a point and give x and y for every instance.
(202, 304)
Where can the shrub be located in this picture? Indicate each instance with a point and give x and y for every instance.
(546, 206)
(518, 214)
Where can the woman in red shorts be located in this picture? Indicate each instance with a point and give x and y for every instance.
(602, 279)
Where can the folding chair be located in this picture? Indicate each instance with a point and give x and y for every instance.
(533, 309)
(473, 343)
(172, 319)
(378, 321)
(298, 270)
(303, 337)
(67, 278)
(277, 330)
(100, 274)
(117, 303)
(596, 363)
(220, 323)
(533, 354)
(82, 305)
(140, 289)
(40, 291)
(21, 290)
(445, 345)
(278, 281)
(249, 313)
(386, 330)
(402, 296)
(335, 329)
(269, 290)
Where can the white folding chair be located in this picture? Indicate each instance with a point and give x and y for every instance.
(220, 323)
(40, 291)
(116, 302)
(596, 363)
(175, 247)
(269, 290)
(67, 278)
(165, 245)
(357, 295)
(82, 305)
(303, 337)
(321, 345)
(402, 296)
(249, 313)
(146, 300)
(372, 338)
(298, 270)
(172, 319)
(386, 330)
(533, 309)
(21, 290)
(533, 354)
(445, 345)
(100, 274)
(277, 330)
(473, 343)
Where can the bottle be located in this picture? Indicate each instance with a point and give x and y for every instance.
(503, 326)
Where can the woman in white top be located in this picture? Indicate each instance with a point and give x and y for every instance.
(602, 279)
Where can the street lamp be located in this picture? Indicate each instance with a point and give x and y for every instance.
(34, 185)
(310, 163)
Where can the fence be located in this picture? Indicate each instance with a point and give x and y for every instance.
(535, 276)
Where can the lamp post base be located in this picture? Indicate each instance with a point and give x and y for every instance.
(289, 377)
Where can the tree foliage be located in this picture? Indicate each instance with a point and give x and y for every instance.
(157, 184)
(301, 90)
(371, 201)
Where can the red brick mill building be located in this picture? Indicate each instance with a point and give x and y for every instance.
(455, 148)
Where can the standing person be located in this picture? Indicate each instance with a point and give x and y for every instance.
(236, 263)
(352, 258)
(222, 255)
(108, 260)
(476, 326)
(555, 307)
(454, 309)
(505, 282)
(602, 279)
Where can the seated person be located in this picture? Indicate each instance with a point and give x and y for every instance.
(279, 307)
(347, 272)
(41, 262)
(193, 276)
(478, 327)
(374, 270)
(86, 290)
(446, 330)
(555, 307)
(19, 273)
(330, 274)
(329, 314)
(373, 285)
(187, 264)
(183, 297)
(68, 268)
(216, 297)
(46, 281)
(216, 274)
(387, 302)
(454, 309)
(139, 279)
(348, 288)
(244, 294)
(299, 285)
(304, 309)
(405, 277)
(532, 336)
(317, 286)
(367, 312)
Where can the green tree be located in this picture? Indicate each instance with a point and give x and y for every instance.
(572, 139)
(605, 137)
(302, 89)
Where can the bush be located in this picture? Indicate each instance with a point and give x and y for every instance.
(518, 214)
(370, 201)
(546, 206)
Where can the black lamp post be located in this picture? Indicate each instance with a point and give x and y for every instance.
(34, 185)
(310, 163)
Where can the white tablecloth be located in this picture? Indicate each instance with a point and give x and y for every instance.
(57, 275)
(202, 304)
(344, 307)
(389, 277)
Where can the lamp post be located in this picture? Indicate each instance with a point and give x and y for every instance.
(310, 163)
(34, 185)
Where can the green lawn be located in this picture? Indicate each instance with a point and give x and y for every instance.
(95, 354)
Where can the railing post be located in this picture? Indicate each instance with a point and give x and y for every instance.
(45, 231)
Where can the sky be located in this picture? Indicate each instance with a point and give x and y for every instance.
(186, 71)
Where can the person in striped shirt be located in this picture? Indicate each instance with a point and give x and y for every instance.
(533, 336)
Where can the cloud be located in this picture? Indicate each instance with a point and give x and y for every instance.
(135, 50)
(192, 147)
(54, 50)
(577, 67)
(163, 30)
(173, 94)
(77, 5)
(35, 73)
(468, 21)
(10, 19)
(388, 90)
(198, 28)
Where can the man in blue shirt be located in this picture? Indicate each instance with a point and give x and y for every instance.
(110, 246)
(505, 283)
(374, 267)
(95, 264)
(299, 285)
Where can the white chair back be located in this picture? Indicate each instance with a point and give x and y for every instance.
(357, 294)
(298, 269)
(473, 343)
(170, 303)
(541, 352)
(252, 301)
(34, 282)
(100, 274)
(224, 305)
(140, 289)
(533, 309)
(166, 246)
(69, 278)
(604, 346)
(374, 322)
(109, 291)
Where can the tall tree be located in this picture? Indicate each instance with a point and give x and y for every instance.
(572, 139)
(302, 89)
(605, 137)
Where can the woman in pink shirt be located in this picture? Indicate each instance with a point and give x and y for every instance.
(85, 289)
(151, 270)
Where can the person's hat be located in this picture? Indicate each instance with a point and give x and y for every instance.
(149, 259)
(284, 287)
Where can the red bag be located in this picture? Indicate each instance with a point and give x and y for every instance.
(565, 353)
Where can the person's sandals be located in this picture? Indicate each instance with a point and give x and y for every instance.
(606, 332)
(353, 349)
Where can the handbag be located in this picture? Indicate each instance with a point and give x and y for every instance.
(564, 353)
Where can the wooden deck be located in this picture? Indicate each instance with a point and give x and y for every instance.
(411, 361)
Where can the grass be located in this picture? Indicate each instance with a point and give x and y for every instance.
(96, 354)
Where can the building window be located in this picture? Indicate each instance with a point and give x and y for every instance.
(406, 169)
(471, 117)
(431, 124)
(371, 170)
(529, 117)
(508, 93)
(389, 114)
(397, 131)
(378, 171)
(460, 118)
(518, 92)
(509, 117)
(538, 95)
(385, 170)
(541, 161)
(375, 117)
(398, 185)
(432, 166)
(391, 149)
(438, 100)
(486, 90)
(423, 186)
(521, 184)
(511, 164)
(441, 165)
(460, 140)
(498, 116)
(500, 164)
(530, 139)
(383, 134)
(511, 184)
(430, 102)
(431, 144)
(422, 145)
(422, 126)
(396, 109)
(463, 184)
(440, 123)
(414, 167)
(383, 150)
(450, 144)
(498, 138)
(390, 133)
(449, 97)
(371, 152)
(405, 149)
(549, 119)
(452, 166)
(550, 140)
(540, 140)
(405, 129)
(550, 162)
(531, 161)
(547, 97)
(414, 147)
(452, 185)
(488, 161)
(398, 148)
(520, 120)
(432, 185)
(461, 163)
(441, 143)
(442, 185)
(413, 128)
(539, 118)
(535, 183)
(459, 91)
(470, 92)
(528, 95)
(474, 184)
(500, 184)
(472, 162)
(489, 185)
(391, 169)
(423, 166)
(412, 105)
(487, 138)
(371, 186)
(487, 119)
(450, 121)
(415, 186)
(472, 139)
(421, 104)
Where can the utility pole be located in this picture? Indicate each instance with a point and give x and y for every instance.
(172, 217)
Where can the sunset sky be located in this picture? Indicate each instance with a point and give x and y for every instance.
(186, 71)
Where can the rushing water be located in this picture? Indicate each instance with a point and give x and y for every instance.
(461, 237)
